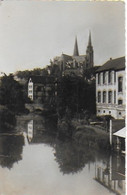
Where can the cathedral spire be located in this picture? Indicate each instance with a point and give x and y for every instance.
(89, 53)
(76, 53)
(89, 43)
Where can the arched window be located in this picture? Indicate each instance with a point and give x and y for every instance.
(120, 84)
(104, 96)
(120, 102)
(99, 96)
(110, 97)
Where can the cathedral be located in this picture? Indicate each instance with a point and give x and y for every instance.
(76, 63)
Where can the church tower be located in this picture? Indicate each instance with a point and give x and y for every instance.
(89, 53)
(76, 53)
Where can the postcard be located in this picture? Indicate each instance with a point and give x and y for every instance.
(62, 97)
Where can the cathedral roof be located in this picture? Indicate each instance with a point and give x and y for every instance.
(65, 57)
(79, 58)
(113, 64)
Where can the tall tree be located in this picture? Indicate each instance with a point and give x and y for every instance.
(11, 94)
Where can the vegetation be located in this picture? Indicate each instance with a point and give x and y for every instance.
(11, 94)
(75, 96)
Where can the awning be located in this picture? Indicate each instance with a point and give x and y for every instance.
(121, 133)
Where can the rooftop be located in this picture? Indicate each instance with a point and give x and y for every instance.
(113, 64)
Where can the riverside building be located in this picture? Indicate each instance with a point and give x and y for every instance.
(110, 88)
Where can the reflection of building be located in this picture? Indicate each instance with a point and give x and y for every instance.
(113, 175)
(35, 129)
(76, 63)
(110, 88)
(30, 130)
(120, 139)
(40, 88)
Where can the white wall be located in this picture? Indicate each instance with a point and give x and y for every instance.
(117, 111)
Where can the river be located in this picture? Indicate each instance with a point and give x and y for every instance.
(36, 162)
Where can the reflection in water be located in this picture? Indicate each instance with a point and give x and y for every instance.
(11, 147)
(50, 166)
(112, 175)
(71, 157)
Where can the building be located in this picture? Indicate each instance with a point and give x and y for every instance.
(75, 63)
(110, 88)
(112, 174)
(40, 88)
(120, 139)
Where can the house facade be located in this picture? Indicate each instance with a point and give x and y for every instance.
(41, 88)
(110, 88)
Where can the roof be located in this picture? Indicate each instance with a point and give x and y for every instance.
(121, 133)
(113, 64)
(42, 79)
(65, 57)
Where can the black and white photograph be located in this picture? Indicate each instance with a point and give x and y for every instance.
(62, 97)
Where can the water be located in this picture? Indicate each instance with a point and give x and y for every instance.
(37, 162)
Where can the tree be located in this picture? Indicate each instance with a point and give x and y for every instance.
(11, 94)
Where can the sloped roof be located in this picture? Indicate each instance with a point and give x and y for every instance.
(113, 64)
(121, 133)
(42, 79)
(65, 57)
(79, 58)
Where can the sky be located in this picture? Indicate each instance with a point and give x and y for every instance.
(33, 32)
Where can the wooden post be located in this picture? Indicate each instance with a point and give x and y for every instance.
(110, 132)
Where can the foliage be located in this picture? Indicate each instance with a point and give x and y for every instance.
(11, 94)
(7, 119)
(75, 94)
(27, 73)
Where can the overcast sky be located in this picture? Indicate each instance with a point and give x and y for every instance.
(33, 32)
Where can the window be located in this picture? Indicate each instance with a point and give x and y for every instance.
(114, 77)
(110, 97)
(99, 78)
(30, 86)
(114, 97)
(120, 84)
(104, 77)
(104, 96)
(120, 102)
(109, 76)
(98, 110)
(103, 111)
(99, 96)
(119, 113)
(30, 91)
(109, 112)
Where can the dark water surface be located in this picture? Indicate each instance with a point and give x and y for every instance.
(38, 163)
